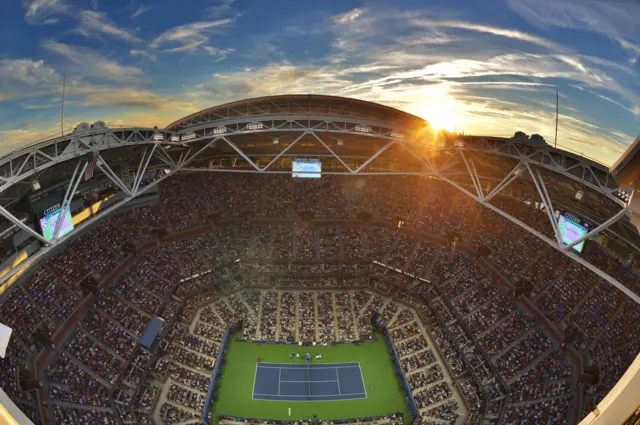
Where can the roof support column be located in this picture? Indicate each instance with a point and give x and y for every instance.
(331, 152)
(104, 167)
(285, 150)
(187, 159)
(474, 176)
(242, 154)
(546, 201)
(513, 174)
(598, 229)
(6, 214)
(375, 155)
(141, 170)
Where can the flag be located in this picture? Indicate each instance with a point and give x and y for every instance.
(92, 160)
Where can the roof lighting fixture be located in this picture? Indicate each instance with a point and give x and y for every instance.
(255, 126)
(189, 136)
(363, 128)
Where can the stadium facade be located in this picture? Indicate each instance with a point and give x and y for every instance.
(56, 191)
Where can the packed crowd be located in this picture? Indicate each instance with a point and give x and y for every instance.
(477, 327)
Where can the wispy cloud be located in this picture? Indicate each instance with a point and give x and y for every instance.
(143, 53)
(89, 63)
(193, 37)
(350, 16)
(97, 24)
(633, 109)
(140, 10)
(45, 11)
(223, 8)
(487, 29)
(617, 20)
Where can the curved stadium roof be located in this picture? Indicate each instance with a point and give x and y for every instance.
(351, 136)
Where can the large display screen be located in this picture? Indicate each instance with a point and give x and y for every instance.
(307, 168)
(48, 223)
(571, 231)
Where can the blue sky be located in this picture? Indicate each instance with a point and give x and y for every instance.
(482, 67)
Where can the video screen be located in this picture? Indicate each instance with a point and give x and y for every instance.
(48, 223)
(571, 231)
(306, 168)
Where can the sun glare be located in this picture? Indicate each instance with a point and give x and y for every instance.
(438, 108)
(442, 119)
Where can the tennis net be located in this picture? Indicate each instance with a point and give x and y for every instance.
(309, 379)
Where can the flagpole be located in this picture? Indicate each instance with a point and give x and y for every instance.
(64, 85)
(556, 139)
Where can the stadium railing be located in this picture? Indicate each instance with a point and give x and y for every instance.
(206, 410)
(413, 407)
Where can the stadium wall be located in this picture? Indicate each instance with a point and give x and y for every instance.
(206, 410)
(413, 407)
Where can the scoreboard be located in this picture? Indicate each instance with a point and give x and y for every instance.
(571, 229)
(306, 168)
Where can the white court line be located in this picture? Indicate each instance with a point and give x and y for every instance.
(302, 368)
(309, 381)
(338, 381)
(255, 379)
(305, 395)
(279, 373)
(362, 379)
(315, 365)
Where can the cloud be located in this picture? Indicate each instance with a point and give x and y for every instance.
(94, 4)
(191, 37)
(45, 11)
(275, 78)
(634, 109)
(144, 54)
(91, 64)
(616, 20)
(487, 29)
(96, 24)
(27, 72)
(139, 11)
(350, 16)
(222, 9)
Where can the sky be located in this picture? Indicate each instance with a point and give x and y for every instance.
(488, 67)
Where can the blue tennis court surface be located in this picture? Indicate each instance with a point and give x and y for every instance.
(308, 382)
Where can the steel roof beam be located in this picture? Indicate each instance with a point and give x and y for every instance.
(71, 190)
(474, 176)
(242, 154)
(104, 167)
(6, 214)
(542, 191)
(552, 243)
(142, 170)
(331, 152)
(513, 174)
(598, 229)
(292, 144)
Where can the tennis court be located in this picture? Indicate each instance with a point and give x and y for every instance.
(308, 382)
